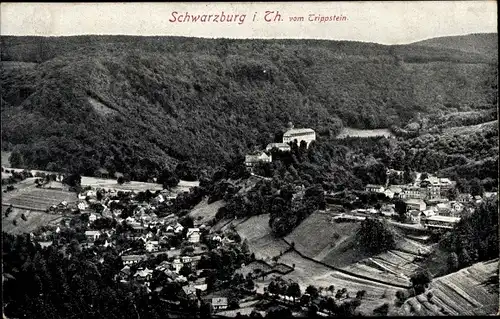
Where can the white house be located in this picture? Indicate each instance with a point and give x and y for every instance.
(416, 204)
(132, 259)
(258, 157)
(388, 193)
(82, 205)
(152, 245)
(299, 134)
(92, 235)
(178, 228)
(219, 303)
(92, 217)
(177, 265)
(193, 235)
(374, 188)
(280, 146)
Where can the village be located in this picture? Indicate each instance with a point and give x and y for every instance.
(170, 253)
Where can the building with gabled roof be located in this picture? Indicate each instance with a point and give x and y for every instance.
(299, 134)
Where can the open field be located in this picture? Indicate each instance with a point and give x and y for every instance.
(108, 184)
(335, 244)
(34, 220)
(260, 238)
(204, 212)
(39, 199)
(464, 292)
(5, 159)
(352, 132)
(332, 242)
(470, 129)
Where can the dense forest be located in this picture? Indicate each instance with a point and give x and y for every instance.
(139, 104)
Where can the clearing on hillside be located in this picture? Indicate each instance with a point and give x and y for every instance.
(5, 158)
(470, 291)
(260, 238)
(33, 220)
(321, 238)
(204, 212)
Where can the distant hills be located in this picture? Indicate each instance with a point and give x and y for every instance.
(482, 43)
(137, 104)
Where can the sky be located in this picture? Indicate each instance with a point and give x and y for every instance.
(384, 22)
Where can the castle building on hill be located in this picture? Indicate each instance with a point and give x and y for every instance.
(300, 134)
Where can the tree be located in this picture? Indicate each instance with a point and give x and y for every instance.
(293, 290)
(420, 280)
(120, 180)
(185, 271)
(382, 310)
(313, 291)
(452, 262)
(464, 258)
(424, 176)
(360, 294)
(400, 207)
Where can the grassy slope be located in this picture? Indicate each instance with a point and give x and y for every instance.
(205, 100)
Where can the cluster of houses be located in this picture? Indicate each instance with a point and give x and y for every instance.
(306, 135)
(426, 201)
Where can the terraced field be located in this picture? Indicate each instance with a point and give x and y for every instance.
(37, 199)
(466, 292)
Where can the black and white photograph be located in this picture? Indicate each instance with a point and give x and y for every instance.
(249, 159)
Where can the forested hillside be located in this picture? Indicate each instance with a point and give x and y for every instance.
(137, 104)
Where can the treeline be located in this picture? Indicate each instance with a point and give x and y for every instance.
(46, 283)
(474, 238)
(150, 103)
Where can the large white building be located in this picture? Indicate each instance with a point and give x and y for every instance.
(300, 134)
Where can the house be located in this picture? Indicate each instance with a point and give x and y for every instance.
(396, 190)
(190, 291)
(388, 193)
(445, 184)
(92, 235)
(144, 275)
(178, 228)
(257, 157)
(427, 213)
(177, 265)
(152, 246)
(416, 204)
(446, 222)
(280, 146)
(411, 192)
(201, 284)
(82, 205)
(430, 192)
(488, 195)
(125, 272)
(478, 199)
(132, 259)
(45, 244)
(414, 216)
(193, 235)
(217, 238)
(92, 217)
(443, 209)
(169, 228)
(374, 188)
(219, 303)
(299, 134)
(464, 198)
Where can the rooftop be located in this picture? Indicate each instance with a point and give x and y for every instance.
(439, 218)
(296, 131)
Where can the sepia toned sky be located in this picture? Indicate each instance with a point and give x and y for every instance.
(382, 22)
